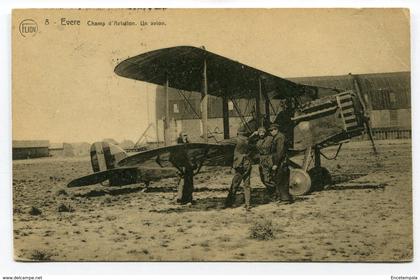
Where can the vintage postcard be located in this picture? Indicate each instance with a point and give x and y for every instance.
(212, 135)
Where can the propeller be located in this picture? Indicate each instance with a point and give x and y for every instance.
(366, 118)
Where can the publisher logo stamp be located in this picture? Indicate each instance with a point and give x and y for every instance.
(28, 28)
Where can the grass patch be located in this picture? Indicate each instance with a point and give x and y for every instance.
(62, 192)
(41, 255)
(35, 211)
(262, 230)
(65, 208)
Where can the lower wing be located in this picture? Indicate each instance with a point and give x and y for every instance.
(124, 176)
(196, 153)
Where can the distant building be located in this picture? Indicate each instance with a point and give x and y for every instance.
(126, 144)
(78, 149)
(25, 149)
(68, 150)
(56, 149)
(388, 94)
(110, 140)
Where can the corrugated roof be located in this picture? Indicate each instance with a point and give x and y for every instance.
(396, 80)
(30, 143)
(392, 79)
(385, 90)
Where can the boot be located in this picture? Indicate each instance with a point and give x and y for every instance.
(270, 192)
(247, 194)
(230, 199)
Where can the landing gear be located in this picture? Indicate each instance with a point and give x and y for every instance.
(299, 182)
(302, 182)
(320, 177)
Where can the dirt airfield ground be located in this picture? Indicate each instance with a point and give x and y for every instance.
(366, 215)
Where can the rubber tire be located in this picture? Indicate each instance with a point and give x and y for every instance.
(320, 177)
(299, 182)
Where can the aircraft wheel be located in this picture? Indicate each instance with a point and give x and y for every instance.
(299, 182)
(320, 177)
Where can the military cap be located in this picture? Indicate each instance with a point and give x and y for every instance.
(274, 126)
(262, 128)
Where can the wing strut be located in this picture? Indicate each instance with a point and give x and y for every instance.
(204, 102)
(167, 122)
(259, 103)
(225, 109)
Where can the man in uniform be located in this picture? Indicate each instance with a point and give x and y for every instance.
(242, 166)
(280, 165)
(263, 147)
(182, 160)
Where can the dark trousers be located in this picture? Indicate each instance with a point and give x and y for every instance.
(265, 168)
(188, 187)
(242, 173)
(281, 180)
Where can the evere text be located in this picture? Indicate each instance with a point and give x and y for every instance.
(77, 22)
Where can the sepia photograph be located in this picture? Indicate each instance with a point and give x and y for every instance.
(208, 135)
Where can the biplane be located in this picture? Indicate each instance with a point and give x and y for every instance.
(313, 118)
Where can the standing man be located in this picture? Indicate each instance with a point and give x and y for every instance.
(242, 166)
(186, 167)
(280, 167)
(263, 146)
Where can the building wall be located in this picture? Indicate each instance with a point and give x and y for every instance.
(26, 153)
(400, 118)
(194, 129)
(384, 90)
(187, 105)
(56, 152)
(388, 93)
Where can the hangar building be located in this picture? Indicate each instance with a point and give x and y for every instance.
(388, 93)
(25, 149)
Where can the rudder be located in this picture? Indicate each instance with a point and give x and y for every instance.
(105, 156)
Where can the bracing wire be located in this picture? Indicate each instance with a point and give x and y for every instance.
(235, 105)
(181, 93)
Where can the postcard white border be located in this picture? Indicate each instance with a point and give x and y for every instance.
(9, 267)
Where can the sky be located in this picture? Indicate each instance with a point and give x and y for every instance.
(64, 88)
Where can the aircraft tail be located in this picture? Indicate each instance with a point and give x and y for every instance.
(105, 156)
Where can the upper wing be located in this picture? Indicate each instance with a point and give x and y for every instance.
(183, 67)
(197, 153)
